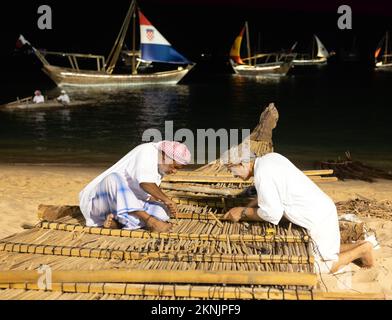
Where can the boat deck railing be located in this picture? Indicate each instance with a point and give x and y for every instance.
(73, 59)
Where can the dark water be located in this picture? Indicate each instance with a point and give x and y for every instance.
(322, 115)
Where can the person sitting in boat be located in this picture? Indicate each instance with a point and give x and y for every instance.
(64, 98)
(38, 97)
(285, 191)
(127, 195)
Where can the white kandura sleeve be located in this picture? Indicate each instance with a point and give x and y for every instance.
(146, 168)
(269, 201)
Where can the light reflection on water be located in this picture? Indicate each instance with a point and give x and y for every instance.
(320, 117)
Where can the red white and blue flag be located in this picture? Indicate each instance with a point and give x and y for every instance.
(154, 47)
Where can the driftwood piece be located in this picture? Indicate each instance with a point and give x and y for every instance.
(356, 170)
(351, 231)
(52, 213)
(366, 208)
(259, 141)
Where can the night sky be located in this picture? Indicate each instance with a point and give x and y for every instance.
(194, 26)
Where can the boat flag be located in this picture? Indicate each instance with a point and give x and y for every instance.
(235, 50)
(154, 47)
(321, 51)
(21, 42)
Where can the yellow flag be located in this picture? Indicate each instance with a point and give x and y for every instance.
(236, 48)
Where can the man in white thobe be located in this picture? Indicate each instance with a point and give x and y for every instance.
(128, 196)
(285, 191)
(64, 98)
(38, 97)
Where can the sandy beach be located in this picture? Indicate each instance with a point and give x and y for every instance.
(23, 188)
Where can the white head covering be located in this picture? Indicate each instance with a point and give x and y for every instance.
(177, 151)
(238, 154)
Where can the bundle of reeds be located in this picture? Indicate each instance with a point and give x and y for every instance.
(364, 207)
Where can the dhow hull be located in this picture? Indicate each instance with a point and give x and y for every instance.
(66, 77)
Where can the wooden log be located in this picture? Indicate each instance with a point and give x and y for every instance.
(52, 213)
(195, 176)
(201, 189)
(324, 179)
(164, 276)
(192, 291)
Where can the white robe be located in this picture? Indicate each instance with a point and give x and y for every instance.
(64, 98)
(284, 190)
(39, 99)
(139, 165)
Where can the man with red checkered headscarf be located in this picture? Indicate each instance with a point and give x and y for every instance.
(128, 196)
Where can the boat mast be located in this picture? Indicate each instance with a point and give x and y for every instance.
(258, 49)
(134, 44)
(313, 42)
(117, 47)
(386, 47)
(247, 41)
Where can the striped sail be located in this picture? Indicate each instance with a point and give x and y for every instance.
(154, 47)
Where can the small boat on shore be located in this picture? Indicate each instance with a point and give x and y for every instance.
(383, 62)
(154, 48)
(28, 104)
(317, 58)
(260, 64)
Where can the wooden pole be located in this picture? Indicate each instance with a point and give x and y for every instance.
(248, 41)
(164, 276)
(313, 43)
(191, 291)
(200, 189)
(386, 47)
(134, 44)
(115, 52)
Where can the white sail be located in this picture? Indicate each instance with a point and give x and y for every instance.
(321, 51)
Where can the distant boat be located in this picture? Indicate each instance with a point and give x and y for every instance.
(153, 48)
(29, 104)
(383, 61)
(318, 57)
(260, 64)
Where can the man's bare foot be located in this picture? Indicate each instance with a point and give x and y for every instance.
(156, 225)
(368, 256)
(110, 223)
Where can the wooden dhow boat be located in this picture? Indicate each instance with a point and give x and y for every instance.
(383, 62)
(317, 58)
(260, 64)
(154, 48)
(28, 104)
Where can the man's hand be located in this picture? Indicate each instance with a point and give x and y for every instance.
(234, 214)
(172, 206)
(156, 225)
